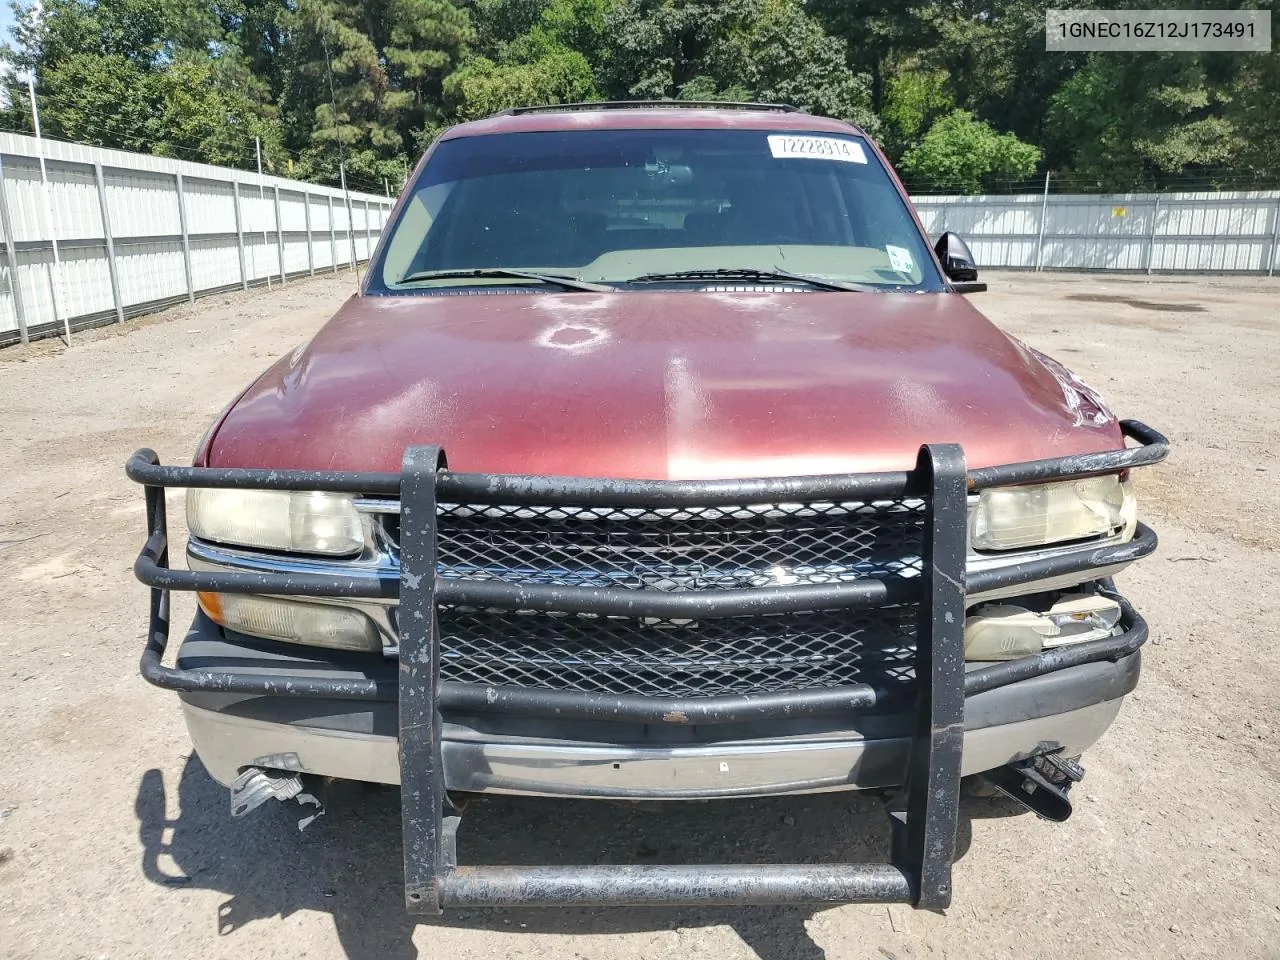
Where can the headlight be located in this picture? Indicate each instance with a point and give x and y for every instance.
(1007, 518)
(306, 522)
(294, 621)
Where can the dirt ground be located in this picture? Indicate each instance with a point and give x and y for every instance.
(115, 843)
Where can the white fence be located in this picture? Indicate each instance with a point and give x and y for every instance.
(1202, 232)
(135, 233)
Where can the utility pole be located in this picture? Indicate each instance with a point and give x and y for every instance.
(262, 197)
(56, 288)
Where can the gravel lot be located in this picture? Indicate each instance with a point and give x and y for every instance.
(115, 843)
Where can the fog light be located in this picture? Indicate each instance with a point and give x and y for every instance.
(998, 631)
(1082, 616)
(1001, 631)
(293, 621)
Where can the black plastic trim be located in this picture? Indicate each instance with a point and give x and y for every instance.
(208, 647)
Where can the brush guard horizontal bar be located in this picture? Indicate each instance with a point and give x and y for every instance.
(926, 811)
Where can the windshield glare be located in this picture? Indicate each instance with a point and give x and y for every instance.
(611, 205)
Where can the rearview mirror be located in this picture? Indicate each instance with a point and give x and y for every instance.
(958, 264)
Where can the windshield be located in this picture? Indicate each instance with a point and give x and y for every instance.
(616, 206)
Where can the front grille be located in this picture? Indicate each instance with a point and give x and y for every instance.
(698, 548)
(678, 550)
(678, 658)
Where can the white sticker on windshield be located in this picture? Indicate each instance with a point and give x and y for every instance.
(899, 258)
(816, 148)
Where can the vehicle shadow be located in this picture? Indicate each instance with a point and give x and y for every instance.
(348, 863)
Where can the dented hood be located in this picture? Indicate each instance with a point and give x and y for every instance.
(659, 385)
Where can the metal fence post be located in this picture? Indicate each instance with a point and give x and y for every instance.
(279, 233)
(110, 241)
(1044, 215)
(244, 271)
(311, 250)
(57, 289)
(1151, 236)
(1275, 241)
(368, 239)
(186, 239)
(15, 288)
(351, 217)
(333, 239)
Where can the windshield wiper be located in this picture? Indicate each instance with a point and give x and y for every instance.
(750, 273)
(568, 283)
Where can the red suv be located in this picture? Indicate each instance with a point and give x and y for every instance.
(660, 457)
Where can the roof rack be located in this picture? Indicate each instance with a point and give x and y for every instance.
(649, 104)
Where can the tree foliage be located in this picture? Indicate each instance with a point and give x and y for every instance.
(483, 87)
(963, 153)
(961, 94)
(1131, 121)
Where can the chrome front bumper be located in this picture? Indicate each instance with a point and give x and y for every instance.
(484, 752)
(837, 761)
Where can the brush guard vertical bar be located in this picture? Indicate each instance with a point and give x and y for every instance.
(924, 827)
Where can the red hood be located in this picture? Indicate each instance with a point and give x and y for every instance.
(658, 385)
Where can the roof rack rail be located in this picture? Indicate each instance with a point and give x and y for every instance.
(641, 104)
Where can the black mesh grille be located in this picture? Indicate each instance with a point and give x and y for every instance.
(670, 658)
(676, 550)
(681, 549)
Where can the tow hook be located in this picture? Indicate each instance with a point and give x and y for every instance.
(256, 785)
(1039, 783)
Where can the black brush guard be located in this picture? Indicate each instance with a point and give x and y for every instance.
(925, 813)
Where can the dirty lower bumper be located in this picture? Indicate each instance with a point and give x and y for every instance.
(357, 740)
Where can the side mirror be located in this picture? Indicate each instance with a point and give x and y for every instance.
(958, 264)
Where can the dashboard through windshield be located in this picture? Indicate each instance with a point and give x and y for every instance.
(619, 207)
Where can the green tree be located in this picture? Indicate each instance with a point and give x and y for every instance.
(540, 52)
(913, 100)
(370, 77)
(148, 33)
(961, 92)
(145, 75)
(498, 22)
(1251, 107)
(197, 108)
(961, 154)
(1142, 118)
(769, 50)
(259, 30)
(783, 55)
(483, 87)
(990, 54)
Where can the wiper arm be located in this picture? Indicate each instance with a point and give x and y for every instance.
(568, 283)
(750, 273)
